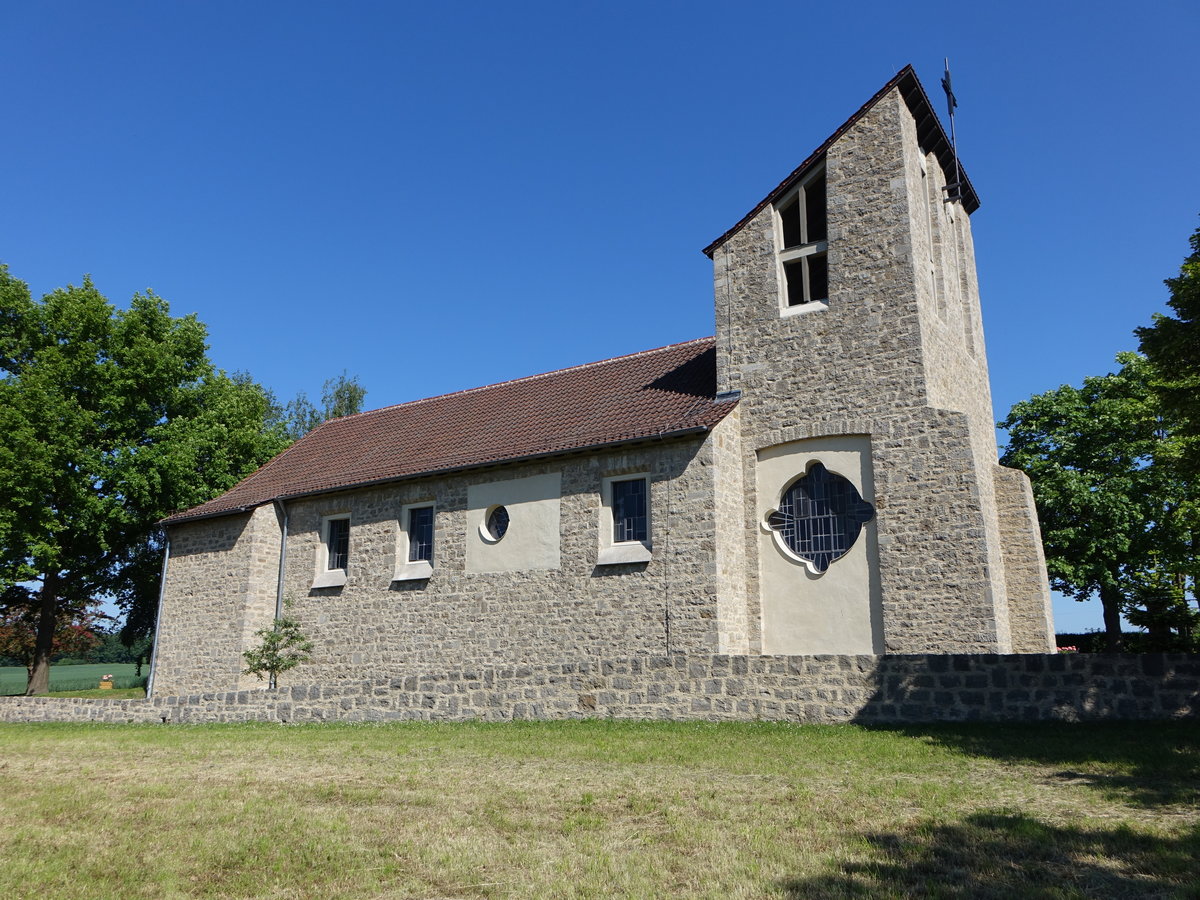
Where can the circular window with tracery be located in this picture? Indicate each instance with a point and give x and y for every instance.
(819, 518)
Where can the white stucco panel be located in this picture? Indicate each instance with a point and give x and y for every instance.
(838, 611)
(532, 539)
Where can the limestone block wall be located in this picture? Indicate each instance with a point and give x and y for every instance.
(464, 614)
(862, 366)
(823, 689)
(1029, 601)
(953, 355)
(220, 589)
(733, 612)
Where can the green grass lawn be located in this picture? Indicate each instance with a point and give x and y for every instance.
(599, 809)
(71, 678)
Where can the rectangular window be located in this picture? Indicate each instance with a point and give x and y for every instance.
(414, 542)
(629, 510)
(333, 553)
(790, 220)
(624, 520)
(818, 277)
(804, 243)
(420, 534)
(337, 541)
(816, 224)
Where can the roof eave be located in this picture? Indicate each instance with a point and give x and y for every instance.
(179, 519)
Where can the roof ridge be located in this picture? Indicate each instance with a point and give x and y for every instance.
(485, 387)
(902, 81)
(892, 83)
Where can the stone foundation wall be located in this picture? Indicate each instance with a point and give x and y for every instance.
(868, 689)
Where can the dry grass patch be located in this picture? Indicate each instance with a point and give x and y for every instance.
(591, 809)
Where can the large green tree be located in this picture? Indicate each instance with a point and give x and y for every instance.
(109, 420)
(341, 395)
(1172, 344)
(1116, 518)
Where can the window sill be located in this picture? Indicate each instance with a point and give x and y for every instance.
(332, 578)
(801, 308)
(413, 571)
(633, 552)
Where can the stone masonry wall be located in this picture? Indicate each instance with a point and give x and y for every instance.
(373, 626)
(869, 689)
(221, 580)
(860, 367)
(729, 493)
(956, 374)
(1029, 602)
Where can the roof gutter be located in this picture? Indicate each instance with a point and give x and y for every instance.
(169, 521)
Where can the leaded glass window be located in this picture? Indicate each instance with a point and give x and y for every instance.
(497, 523)
(338, 542)
(420, 534)
(820, 517)
(629, 510)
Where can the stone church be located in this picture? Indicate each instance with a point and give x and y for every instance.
(819, 477)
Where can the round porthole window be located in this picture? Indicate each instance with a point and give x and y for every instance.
(495, 524)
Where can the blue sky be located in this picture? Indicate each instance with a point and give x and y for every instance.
(437, 196)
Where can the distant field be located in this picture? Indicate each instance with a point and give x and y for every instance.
(71, 678)
(599, 809)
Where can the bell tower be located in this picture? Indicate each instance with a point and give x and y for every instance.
(848, 318)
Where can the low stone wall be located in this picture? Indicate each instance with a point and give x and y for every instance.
(868, 689)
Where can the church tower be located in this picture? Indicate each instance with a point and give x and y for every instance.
(874, 517)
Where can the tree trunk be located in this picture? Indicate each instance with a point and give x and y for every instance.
(1159, 631)
(39, 672)
(1110, 599)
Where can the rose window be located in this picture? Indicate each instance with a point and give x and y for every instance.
(820, 517)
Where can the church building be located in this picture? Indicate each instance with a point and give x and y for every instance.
(819, 477)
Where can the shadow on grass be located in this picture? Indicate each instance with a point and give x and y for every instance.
(1145, 764)
(993, 855)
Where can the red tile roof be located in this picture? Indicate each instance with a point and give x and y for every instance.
(656, 393)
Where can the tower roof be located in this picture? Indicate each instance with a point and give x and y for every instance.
(930, 135)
